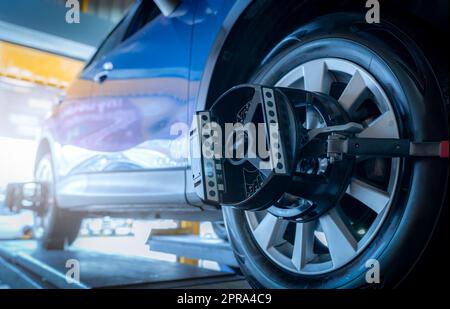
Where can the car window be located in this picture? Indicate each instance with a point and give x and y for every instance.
(113, 39)
(129, 25)
(147, 12)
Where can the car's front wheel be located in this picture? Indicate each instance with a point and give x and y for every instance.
(389, 209)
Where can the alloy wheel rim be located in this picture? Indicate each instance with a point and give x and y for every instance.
(334, 239)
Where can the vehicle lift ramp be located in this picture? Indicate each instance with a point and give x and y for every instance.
(23, 265)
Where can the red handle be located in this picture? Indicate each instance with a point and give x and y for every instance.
(444, 149)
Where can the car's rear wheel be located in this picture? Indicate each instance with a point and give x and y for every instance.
(390, 207)
(54, 228)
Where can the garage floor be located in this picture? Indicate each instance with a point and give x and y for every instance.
(23, 265)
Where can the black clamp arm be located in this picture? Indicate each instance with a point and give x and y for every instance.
(338, 145)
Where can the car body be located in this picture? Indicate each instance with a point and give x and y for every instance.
(111, 140)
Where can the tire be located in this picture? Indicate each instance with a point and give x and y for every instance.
(409, 82)
(56, 228)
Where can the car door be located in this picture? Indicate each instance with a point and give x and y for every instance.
(76, 119)
(141, 86)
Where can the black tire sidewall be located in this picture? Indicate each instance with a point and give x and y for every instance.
(63, 226)
(422, 183)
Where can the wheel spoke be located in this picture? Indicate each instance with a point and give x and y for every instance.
(270, 231)
(369, 195)
(317, 77)
(354, 93)
(341, 243)
(381, 127)
(303, 244)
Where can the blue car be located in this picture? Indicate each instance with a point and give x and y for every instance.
(120, 142)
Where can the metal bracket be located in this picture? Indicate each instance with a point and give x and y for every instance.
(338, 145)
(28, 195)
(276, 153)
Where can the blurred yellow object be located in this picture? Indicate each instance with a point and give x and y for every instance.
(27, 234)
(37, 66)
(194, 229)
(84, 6)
